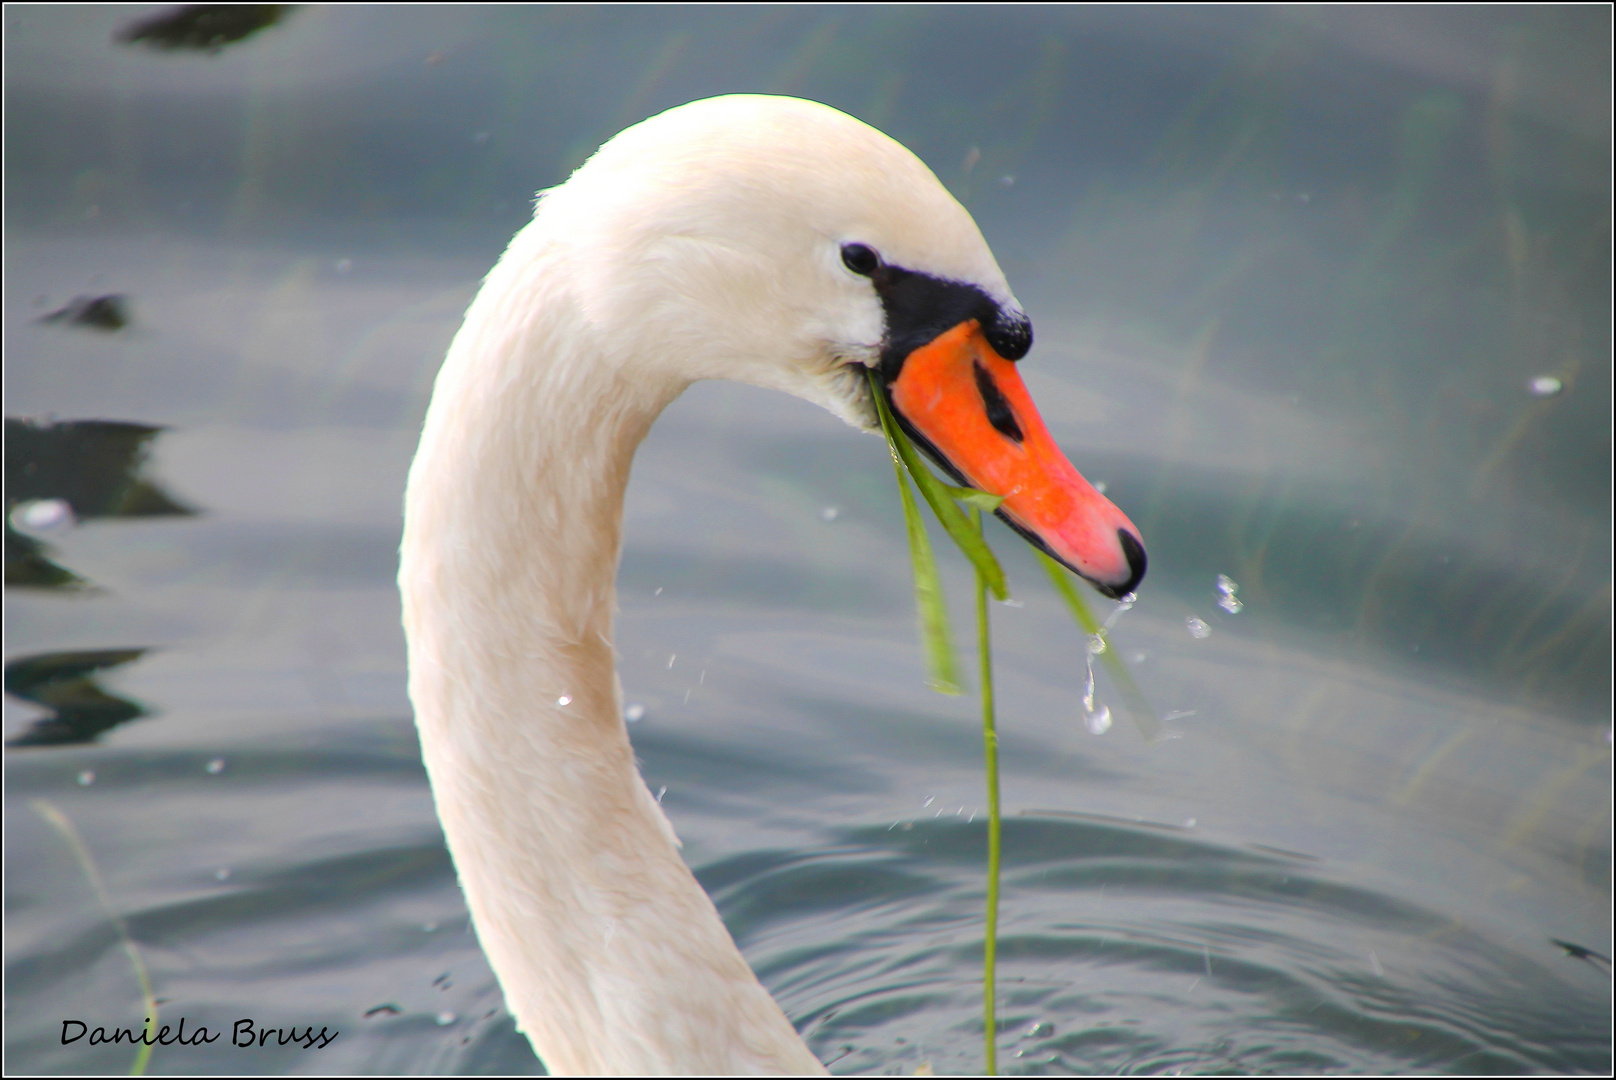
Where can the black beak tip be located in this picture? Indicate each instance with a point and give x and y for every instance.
(1135, 552)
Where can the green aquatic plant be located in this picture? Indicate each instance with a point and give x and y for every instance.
(81, 854)
(967, 534)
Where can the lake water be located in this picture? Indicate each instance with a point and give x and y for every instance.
(1323, 297)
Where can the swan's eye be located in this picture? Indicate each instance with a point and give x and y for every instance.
(860, 259)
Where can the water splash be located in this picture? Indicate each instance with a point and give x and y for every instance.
(1124, 606)
(1096, 714)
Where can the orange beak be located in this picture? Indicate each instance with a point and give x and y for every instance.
(967, 406)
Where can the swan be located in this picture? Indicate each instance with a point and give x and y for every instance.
(771, 240)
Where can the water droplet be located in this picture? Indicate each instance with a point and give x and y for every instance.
(1374, 963)
(1007, 180)
(972, 156)
(479, 138)
(1189, 823)
(1545, 386)
(929, 800)
(1099, 485)
(661, 793)
(564, 700)
(86, 778)
(829, 514)
(1178, 714)
(42, 515)
(446, 1018)
(216, 766)
(222, 874)
(1231, 604)
(634, 713)
(1124, 606)
(430, 928)
(658, 591)
(1198, 629)
(671, 656)
(1227, 585)
(1096, 644)
(1097, 717)
(1138, 656)
(344, 265)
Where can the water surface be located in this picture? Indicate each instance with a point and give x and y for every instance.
(1298, 280)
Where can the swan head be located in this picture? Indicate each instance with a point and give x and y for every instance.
(782, 243)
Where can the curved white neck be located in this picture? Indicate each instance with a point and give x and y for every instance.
(611, 956)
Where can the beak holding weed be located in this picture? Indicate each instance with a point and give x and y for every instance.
(968, 408)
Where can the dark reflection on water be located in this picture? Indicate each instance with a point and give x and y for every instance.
(204, 27)
(81, 469)
(107, 314)
(1322, 295)
(80, 710)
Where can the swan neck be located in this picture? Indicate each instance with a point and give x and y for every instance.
(611, 956)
